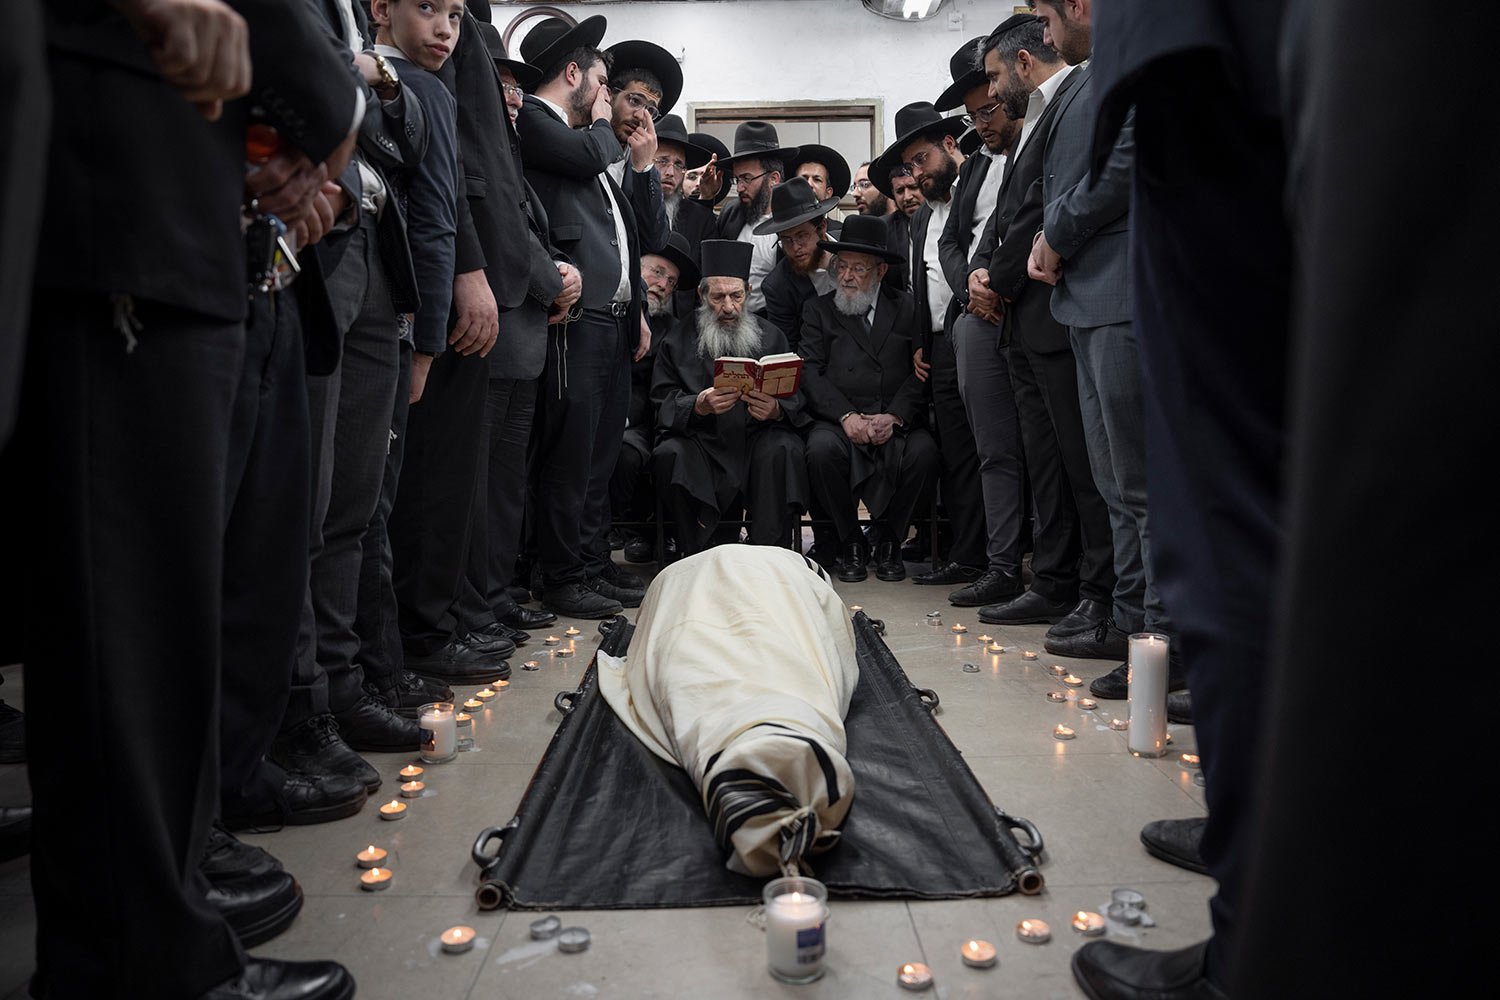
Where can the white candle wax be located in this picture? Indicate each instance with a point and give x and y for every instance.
(1148, 694)
(794, 934)
(438, 732)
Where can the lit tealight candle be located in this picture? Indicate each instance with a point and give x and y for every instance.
(409, 772)
(1088, 704)
(376, 879)
(914, 976)
(501, 683)
(457, 940)
(412, 789)
(531, 665)
(995, 647)
(473, 705)
(572, 630)
(1029, 654)
(1058, 669)
(484, 694)
(393, 810)
(985, 638)
(978, 954)
(959, 628)
(1119, 725)
(564, 652)
(1057, 696)
(1088, 923)
(1062, 732)
(371, 857)
(1073, 680)
(1033, 931)
(551, 640)
(1191, 761)
(856, 607)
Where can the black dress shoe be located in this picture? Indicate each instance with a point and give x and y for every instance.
(304, 799)
(257, 907)
(852, 562)
(1030, 608)
(15, 832)
(1105, 642)
(268, 979)
(12, 735)
(489, 643)
(519, 594)
(1177, 842)
(1116, 684)
(1109, 971)
(947, 575)
(992, 587)
(622, 578)
(372, 725)
(228, 858)
(640, 550)
(527, 618)
(1180, 707)
(315, 747)
(1085, 617)
(574, 600)
(500, 630)
(412, 692)
(617, 539)
(604, 587)
(460, 662)
(888, 564)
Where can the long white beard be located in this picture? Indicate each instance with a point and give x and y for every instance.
(855, 303)
(741, 340)
(672, 203)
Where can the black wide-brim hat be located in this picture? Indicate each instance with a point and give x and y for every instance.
(758, 141)
(864, 234)
(527, 75)
(716, 148)
(672, 129)
(725, 259)
(641, 54)
(793, 203)
(839, 174)
(680, 252)
(547, 43)
(969, 142)
(966, 72)
(915, 121)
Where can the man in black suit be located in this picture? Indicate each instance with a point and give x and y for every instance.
(799, 221)
(124, 599)
(1072, 560)
(868, 443)
(567, 144)
(677, 153)
(757, 165)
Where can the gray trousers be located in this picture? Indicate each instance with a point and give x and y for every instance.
(1114, 426)
(990, 401)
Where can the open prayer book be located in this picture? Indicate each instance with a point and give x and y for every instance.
(774, 374)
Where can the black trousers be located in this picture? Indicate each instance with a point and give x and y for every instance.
(962, 499)
(377, 619)
(1212, 267)
(580, 419)
(770, 463)
(265, 550)
(431, 522)
(1072, 545)
(122, 452)
(829, 457)
(631, 486)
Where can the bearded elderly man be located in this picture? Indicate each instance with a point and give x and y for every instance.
(722, 453)
(863, 389)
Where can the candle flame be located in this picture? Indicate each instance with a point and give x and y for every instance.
(908, 968)
(370, 849)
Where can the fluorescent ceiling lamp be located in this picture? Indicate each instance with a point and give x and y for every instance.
(904, 10)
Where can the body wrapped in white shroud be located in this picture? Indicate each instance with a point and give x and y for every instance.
(741, 670)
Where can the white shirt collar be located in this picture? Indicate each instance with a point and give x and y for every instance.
(557, 109)
(1048, 87)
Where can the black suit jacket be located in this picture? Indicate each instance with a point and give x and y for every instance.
(916, 255)
(958, 232)
(144, 195)
(696, 222)
(847, 369)
(898, 239)
(786, 293)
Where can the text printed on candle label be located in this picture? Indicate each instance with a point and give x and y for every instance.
(810, 945)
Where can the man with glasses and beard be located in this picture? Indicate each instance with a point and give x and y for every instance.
(861, 387)
(722, 452)
(799, 220)
(677, 155)
(757, 166)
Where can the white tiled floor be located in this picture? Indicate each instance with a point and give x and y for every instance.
(1088, 796)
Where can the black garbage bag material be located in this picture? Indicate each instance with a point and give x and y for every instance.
(607, 824)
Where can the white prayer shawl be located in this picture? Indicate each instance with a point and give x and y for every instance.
(741, 670)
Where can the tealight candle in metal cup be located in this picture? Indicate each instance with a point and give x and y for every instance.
(1062, 732)
(371, 857)
(1088, 923)
(914, 976)
(1034, 931)
(978, 954)
(457, 940)
(393, 810)
(376, 879)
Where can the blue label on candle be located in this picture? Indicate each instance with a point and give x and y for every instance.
(810, 945)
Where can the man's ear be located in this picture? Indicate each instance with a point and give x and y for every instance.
(380, 12)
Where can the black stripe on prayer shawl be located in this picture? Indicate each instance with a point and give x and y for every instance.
(823, 573)
(736, 795)
(830, 776)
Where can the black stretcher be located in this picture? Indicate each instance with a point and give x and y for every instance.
(606, 824)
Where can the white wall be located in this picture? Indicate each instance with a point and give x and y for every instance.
(786, 50)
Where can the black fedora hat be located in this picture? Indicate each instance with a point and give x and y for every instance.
(717, 148)
(915, 121)
(672, 129)
(680, 253)
(547, 43)
(839, 174)
(967, 73)
(863, 234)
(526, 74)
(758, 140)
(641, 54)
(793, 203)
(725, 259)
(969, 142)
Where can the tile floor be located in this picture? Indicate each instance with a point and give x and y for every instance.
(1088, 796)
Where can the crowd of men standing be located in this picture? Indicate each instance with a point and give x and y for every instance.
(348, 337)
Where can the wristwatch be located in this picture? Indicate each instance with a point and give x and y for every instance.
(389, 81)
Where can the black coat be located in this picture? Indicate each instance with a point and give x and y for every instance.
(848, 369)
(786, 293)
(696, 222)
(953, 245)
(24, 111)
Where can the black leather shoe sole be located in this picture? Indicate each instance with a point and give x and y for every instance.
(1176, 841)
(267, 925)
(1028, 609)
(1086, 647)
(464, 674)
(590, 608)
(952, 575)
(525, 618)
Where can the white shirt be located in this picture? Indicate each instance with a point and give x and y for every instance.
(989, 193)
(622, 238)
(1038, 101)
(762, 259)
(938, 292)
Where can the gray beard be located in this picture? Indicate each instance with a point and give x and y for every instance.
(855, 303)
(672, 203)
(655, 308)
(742, 340)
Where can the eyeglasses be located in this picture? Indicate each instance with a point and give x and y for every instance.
(663, 162)
(511, 90)
(661, 274)
(639, 102)
(983, 115)
(787, 239)
(919, 160)
(848, 267)
(743, 180)
(863, 183)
